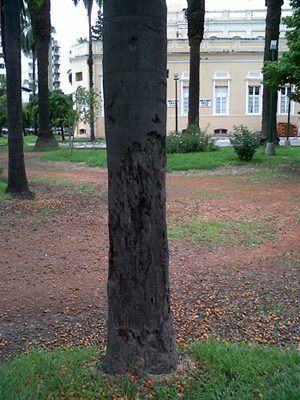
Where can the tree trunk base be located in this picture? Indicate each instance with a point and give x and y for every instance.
(24, 195)
(183, 363)
(44, 142)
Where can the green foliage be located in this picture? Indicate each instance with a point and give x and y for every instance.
(97, 29)
(62, 112)
(88, 102)
(222, 371)
(3, 111)
(287, 69)
(244, 143)
(192, 140)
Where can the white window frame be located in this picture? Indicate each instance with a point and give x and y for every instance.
(252, 97)
(252, 79)
(219, 78)
(184, 78)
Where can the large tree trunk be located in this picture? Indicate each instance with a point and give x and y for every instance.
(41, 27)
(140, 333)
(272, 33)
(17, 181)
(90, 65)
(195, 16)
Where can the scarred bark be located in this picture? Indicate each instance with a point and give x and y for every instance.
(140, 333)
(17, 181)
(272, 33)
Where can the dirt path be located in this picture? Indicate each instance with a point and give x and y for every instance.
(236, 280)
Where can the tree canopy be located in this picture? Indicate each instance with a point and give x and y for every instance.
(287, 69)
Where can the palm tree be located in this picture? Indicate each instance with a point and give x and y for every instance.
(17, 181)
(28, 47)
(195, 17)
(272, 33)
(140, 333)
(41, 27)
(88, 4)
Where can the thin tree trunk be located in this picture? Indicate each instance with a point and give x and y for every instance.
(17, 181)
(195, 16)
(272, 33)
(41, 25)
(193, 118)
(90, 64)
(140, 333)
(34, 90)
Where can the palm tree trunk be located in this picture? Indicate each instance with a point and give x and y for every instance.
(193, 118)
(195, 16)
(17, 181)
(40, 18)
(272, 33)
(90, 64)
(34, 90)
(140, 333)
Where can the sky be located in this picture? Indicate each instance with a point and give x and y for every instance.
(70, 23)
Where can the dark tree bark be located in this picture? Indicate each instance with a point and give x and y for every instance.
(90, 65)
(272, 33)
(195, 17)
(140, 332)
(17, 181)
(41, 27)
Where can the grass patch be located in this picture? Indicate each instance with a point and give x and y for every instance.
(217, 233)
(226, 156)
(222, 371)
(92, 157)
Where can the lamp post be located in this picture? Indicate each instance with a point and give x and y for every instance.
(270, 148)
(176, 106)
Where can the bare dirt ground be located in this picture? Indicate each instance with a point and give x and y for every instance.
(54, 256)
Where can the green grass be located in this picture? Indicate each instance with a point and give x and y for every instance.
(225, 156)
(92, 157)
(217, 233)
(222, 371)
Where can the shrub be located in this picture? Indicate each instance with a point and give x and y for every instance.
(244, 142)
(191, 140)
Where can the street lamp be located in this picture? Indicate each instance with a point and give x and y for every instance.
(176, 106)
(270, 148)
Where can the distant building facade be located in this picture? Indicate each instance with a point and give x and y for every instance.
(230, 72)
(54, 79)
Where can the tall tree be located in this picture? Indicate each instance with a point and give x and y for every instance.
(41, 27)
(140, 333)
(272, 33)
(17, 181)
(287, 69)
(89, 6)
(195, 17)
(28, 47)
(97, 29)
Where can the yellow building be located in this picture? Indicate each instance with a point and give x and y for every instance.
(230, 72)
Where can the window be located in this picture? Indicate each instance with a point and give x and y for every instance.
(221, 99)
(220, 132)
(284, 99)
(185, 100)
(78, 76)
(253, 99)
(221, 92)
(2, 66)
